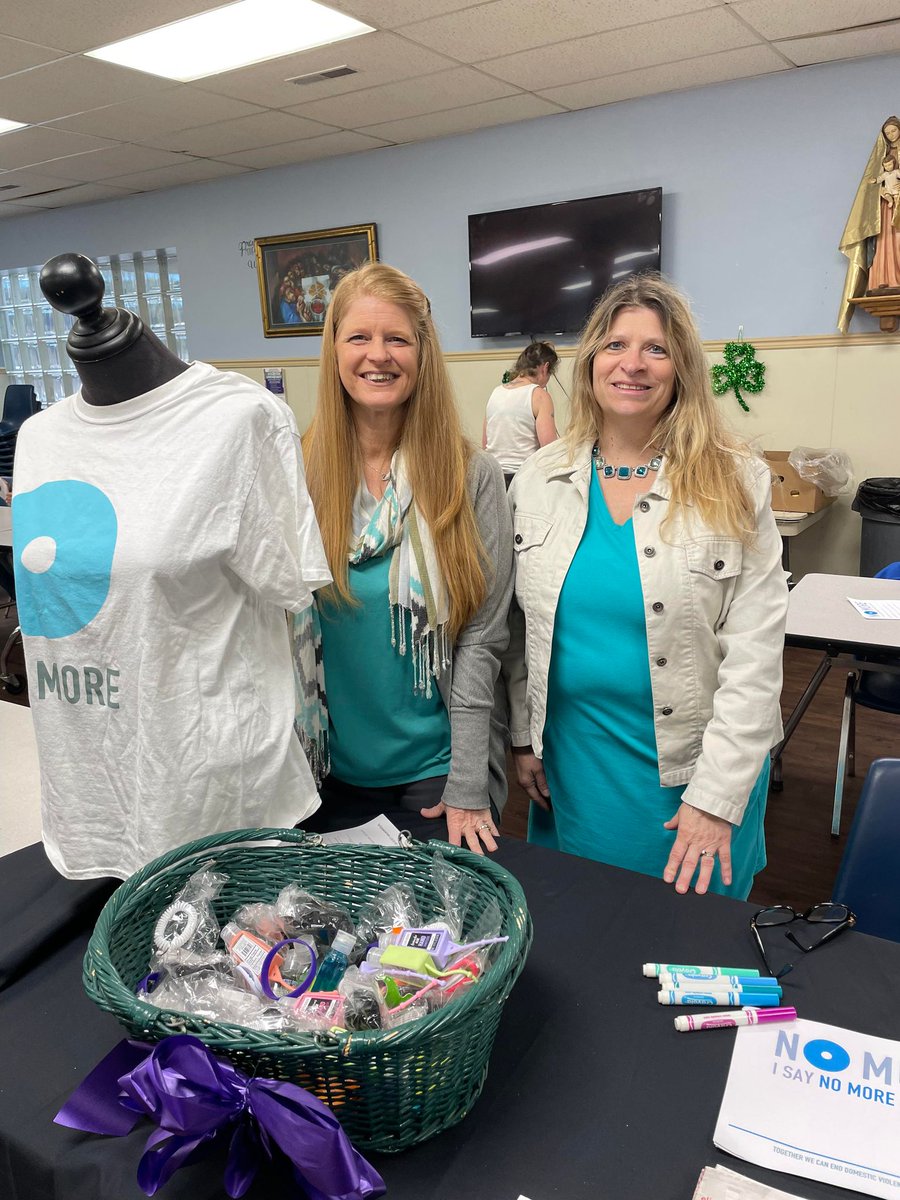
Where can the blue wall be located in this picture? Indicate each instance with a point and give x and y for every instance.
(758, 177)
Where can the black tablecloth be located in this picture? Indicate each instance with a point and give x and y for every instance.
(591, 1092)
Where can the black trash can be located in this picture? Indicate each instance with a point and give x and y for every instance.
(878, 503)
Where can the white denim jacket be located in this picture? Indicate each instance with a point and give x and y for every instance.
(714, 610)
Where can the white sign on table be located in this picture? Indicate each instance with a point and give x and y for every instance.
(818, 1101)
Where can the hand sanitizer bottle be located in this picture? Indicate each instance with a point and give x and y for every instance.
(335, 963)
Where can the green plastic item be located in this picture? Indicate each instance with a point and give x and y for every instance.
(389, 1088)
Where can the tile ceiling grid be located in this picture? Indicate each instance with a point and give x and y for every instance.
(96, 131)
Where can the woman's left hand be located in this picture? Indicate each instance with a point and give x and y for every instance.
(475, 825)
(700, 838)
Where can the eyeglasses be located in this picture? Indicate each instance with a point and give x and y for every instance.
(837, 918)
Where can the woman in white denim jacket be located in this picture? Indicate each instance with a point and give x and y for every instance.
(648, 568)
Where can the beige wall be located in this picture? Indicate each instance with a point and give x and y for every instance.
(819, 392)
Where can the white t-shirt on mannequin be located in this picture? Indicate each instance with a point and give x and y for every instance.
(157, 544)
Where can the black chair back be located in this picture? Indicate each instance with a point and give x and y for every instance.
(19, 402)
(868, 879)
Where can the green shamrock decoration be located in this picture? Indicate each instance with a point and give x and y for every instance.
(741, 370)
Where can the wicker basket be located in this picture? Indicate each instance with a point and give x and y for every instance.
(390, 1089)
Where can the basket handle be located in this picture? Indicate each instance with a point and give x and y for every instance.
(202, 846)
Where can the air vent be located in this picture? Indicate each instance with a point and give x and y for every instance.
(318, 76)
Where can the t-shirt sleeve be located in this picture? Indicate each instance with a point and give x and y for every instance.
(278, 551)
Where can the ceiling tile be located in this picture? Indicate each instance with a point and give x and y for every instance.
(329, 146)
(19, 56)
(411, 98)
(16, 210)
(118, 160)
(246, 133)
(377, 57)
(27, 182)
(26, 147)
(521, 107)
(197, 171)
(670, 77)
(606, 53)
(880, 39)
(508, 26)
(387, 14)
(91, 23)
(179, 106)
(793, 18)
(79, 193)
(69, 86)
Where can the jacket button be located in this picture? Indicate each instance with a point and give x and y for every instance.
(667, 712)
(649, 551)
(644, 506)
(719, 564)
(661, 662)
(658, 606)
(518, 539)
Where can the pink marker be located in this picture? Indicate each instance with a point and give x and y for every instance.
(746, 1016)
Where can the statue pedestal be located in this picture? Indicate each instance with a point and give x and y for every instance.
(885, 306)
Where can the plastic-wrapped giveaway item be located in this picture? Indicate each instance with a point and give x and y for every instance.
(301, 913)
(830, 470)
(187, 931)
(395, 906)
(214, 995)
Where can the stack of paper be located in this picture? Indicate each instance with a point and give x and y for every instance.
(718, 1183)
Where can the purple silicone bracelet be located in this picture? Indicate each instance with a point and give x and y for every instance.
(270, 958)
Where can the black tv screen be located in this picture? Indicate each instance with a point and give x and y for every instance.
(539, 270)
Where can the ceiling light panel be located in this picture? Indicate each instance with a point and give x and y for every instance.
(237, 35)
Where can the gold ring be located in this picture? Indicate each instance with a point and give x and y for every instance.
(483, 825)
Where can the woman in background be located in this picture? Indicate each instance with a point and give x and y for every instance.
(648, 567)
(519, 418)
(418, 536)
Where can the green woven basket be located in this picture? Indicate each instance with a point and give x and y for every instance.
(390, 1089)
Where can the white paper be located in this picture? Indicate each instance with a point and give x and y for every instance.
(818, 1101)
(718, 1183)
(877, 610)
(377, 832)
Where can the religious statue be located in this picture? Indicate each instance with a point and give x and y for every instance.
(871, 238)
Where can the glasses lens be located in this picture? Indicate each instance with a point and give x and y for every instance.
(780, 914)
(828, 913)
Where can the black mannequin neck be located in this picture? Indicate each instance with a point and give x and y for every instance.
(141, 367)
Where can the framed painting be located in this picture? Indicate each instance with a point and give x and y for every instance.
(298, 272)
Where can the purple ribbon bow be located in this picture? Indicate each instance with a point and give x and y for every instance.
(194, 1097)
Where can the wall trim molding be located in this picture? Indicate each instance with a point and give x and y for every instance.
(811, 342)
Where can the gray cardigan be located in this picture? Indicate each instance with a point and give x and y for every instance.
(478, 734)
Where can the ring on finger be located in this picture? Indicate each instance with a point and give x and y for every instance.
(483, 825)
(707, 854)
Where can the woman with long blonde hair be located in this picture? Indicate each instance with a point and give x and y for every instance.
(648, 567)
(418, 538)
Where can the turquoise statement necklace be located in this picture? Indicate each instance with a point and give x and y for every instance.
(608, 471)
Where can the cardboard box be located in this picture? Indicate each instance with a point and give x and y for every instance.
(790, 492)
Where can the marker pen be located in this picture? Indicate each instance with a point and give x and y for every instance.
(747, 1016)
(721, 999)
(652, 970)
(722, 982)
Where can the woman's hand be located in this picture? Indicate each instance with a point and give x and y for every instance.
(476, 825)
(700, 838)
(531, 777)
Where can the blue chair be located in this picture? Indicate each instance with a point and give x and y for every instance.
(871, 688)
(868, 879)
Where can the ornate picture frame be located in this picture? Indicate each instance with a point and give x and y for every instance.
(297, 273)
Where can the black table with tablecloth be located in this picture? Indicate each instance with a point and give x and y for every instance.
(591, 1093)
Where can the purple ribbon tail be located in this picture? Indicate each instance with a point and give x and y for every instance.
(95, 1106)
(163, 1154)
(309, 1134)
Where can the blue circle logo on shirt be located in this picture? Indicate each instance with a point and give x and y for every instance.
(64, 537)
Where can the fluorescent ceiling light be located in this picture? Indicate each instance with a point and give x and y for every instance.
(574, 287)
(519, 248)
(636, 254)
(237, 35)
(8, 126)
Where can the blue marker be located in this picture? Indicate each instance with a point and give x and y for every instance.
(722, 982)
(768, 999)
(652, 970)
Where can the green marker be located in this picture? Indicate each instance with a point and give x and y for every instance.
(653, 970)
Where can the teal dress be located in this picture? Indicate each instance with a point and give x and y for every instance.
(599, 740)
(381, 732)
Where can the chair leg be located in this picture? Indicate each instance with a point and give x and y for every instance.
(846, 718)
(851, 740)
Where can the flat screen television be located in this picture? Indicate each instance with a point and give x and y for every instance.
(539, 270)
